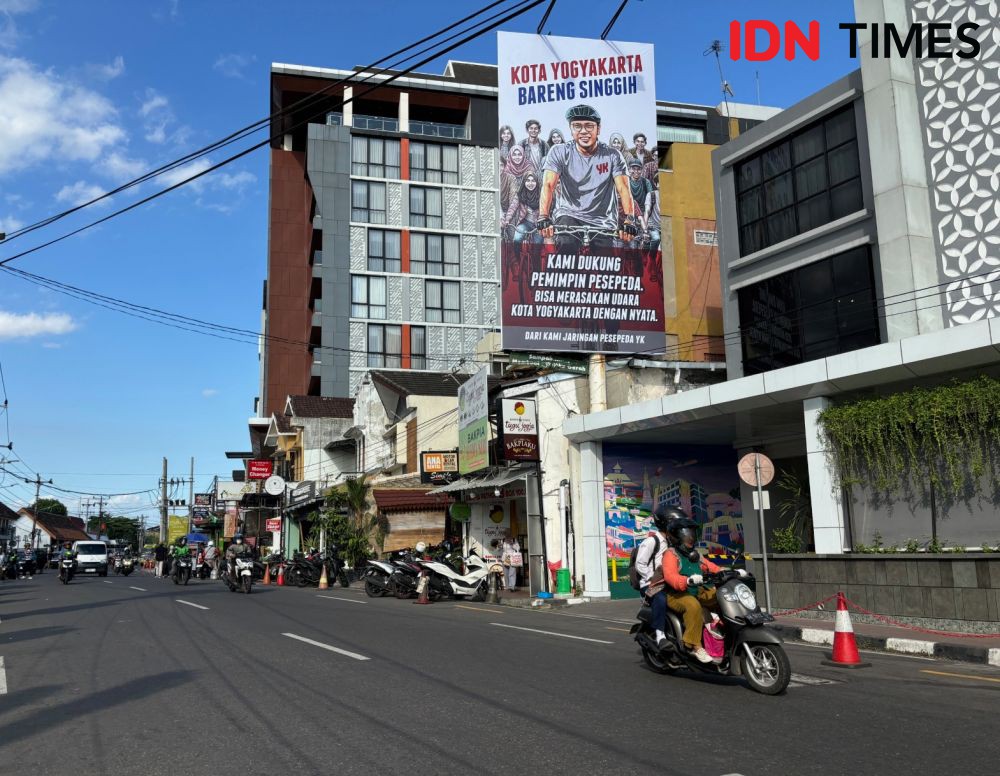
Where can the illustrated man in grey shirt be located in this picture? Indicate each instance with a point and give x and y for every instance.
(584, 182)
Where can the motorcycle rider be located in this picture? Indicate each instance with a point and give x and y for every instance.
(179, 550)
(649, 564)
(683, 570)
(237, 548)
(67, 553)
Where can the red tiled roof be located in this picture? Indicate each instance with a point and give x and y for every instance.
(61, 528)
(321, 406)
(407, 498)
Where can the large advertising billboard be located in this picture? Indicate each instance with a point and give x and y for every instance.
(473, 423)
(581, 268)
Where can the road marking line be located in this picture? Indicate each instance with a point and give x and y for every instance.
(132, 587)
(579, 616)
(196, 606)
(962, 676)
(551, 633)
(623, 630)
(3, 677)
(338, 598)
(321, 645)
(793, 643)
(478, 609)
(107, 581)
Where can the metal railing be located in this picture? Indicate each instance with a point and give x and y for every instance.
(382, 123)
(438, 129)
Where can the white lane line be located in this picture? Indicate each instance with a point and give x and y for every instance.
(338, 598)
(3, 677)
(196, 606)
(578, 616)
(550, 633)
(132, 587)
(321, 645)
(107, 581)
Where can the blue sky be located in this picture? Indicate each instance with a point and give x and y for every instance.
(93, 94)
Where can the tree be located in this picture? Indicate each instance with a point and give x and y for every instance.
(51, 505)
(124, 530)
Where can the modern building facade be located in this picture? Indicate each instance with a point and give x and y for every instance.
(859, 244)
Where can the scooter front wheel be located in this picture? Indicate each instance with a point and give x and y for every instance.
(769, 670)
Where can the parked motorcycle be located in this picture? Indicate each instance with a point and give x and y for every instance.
(181, 570)
(202, 569)
(444, 581)
(243, 579)
(67, 567)
(751, 649)
(378, 578)
(305, 570)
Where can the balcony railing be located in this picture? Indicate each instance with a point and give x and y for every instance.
(334, 119)
(437, 129)
(376, 122)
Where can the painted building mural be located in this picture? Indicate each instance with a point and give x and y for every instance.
(701, 480)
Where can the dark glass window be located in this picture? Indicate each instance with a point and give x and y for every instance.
(810, 179)
(383, 251)
(374, 157)
(442, 301)
(418, 347)
(425, 207)
(434, 254)
(433, 163)
(368, 202)
(385, 345)
(822, 309)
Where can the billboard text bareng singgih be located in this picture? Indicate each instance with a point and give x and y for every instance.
(581, 268)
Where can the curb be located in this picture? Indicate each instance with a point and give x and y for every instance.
(541, 604)
(958, 652)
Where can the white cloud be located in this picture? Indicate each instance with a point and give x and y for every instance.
(15, 325)
(47, 119)
(9, 224)
(9, 33)
(52, 345)
(182, 173)
(119, 167)
(124, 502)
(108, 72)
(79, 192)
(209, 392)
(154, 102)
(159, 120)
(239, 180)
(14, 7)
(232, 65)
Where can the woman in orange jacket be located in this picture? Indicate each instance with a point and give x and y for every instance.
(683, 571)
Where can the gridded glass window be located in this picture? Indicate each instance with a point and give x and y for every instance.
(368, 202)
(822, 309)
(433, 163)
(442, 301)
(383, 251)
(385, 345)
(435, 254)
(367, 297)
(374, 157)
(418, 347)
(810, 179)
(425, 207)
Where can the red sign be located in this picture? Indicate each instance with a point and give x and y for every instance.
(260, 470)
(273, 525)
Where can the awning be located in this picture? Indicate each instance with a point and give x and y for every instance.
(496, 480)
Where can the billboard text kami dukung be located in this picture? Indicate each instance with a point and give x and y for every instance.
(581, 268)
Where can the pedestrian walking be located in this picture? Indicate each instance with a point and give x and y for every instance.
(510, 556)
(160, 555)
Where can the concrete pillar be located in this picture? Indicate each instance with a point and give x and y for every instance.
(348, 106)
(404, 112)
(590, 522)
(825, 494)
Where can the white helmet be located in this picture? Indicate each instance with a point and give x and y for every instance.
(421, 546)
(211, 544)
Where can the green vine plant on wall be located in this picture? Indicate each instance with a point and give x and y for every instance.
(948, 436)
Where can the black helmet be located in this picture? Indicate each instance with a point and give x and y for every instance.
(182, 541)
(583, 113)
(238, 538)
(683, 534)
(665, 515)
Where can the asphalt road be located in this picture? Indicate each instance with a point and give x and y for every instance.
(103, 678)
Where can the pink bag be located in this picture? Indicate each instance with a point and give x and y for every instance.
(713, 639)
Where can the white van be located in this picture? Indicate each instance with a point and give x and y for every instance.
(91, 557)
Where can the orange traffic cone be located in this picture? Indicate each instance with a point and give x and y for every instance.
(324, 583)
(281, 575)
(267, 574)
(422, 597)
(845, 648)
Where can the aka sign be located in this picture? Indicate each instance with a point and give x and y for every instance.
(518, 429)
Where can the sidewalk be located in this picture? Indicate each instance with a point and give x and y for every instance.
(884, 638)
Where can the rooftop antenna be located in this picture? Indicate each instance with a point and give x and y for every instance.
(756, 77)
(716, 47)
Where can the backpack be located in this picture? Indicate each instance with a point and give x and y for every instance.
(633, 572)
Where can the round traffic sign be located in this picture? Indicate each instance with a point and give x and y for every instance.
(749, 465)
(274, 485)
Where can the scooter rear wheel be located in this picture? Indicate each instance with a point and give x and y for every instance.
(657, 662)
(373, 590)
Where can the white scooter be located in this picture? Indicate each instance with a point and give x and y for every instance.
(444, 581)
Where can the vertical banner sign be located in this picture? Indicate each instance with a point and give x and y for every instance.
(518, 429)
(581, 268)
(473, 424)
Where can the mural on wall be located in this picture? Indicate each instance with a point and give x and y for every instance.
(701, 480)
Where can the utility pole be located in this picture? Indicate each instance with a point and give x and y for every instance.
(100, 515)
(38, 481)
(163, 504)
(191, 496)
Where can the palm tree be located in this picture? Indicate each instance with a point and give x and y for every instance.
(357, 492)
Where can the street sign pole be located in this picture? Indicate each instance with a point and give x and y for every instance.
(763, 538)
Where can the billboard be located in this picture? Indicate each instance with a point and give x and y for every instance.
(438, 467)
(518, 429)
(580, 262)
(473, 423)
(229, 490)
